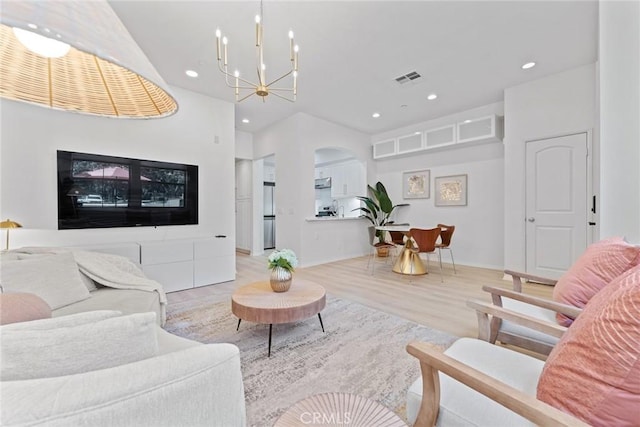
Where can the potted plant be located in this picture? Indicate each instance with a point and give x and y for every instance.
(378, 209)
(282, 263)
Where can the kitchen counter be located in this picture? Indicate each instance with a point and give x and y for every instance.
(331, 218)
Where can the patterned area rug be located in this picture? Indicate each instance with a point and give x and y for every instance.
(361, 352)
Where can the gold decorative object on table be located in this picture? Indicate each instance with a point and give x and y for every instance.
(282, 263)
(280, 279)
(8, 224)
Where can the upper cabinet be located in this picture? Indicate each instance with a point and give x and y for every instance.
(479, 130)
(488, 128)
(384, 149)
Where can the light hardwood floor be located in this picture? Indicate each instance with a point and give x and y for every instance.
(422, 299)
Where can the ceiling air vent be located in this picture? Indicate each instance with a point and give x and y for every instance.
(409, 77)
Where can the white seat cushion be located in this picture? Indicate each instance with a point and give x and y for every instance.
(533, 311)
(463, 406)
(128, 301)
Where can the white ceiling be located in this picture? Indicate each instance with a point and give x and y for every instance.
(351, 52)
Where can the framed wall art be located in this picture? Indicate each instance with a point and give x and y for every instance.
(416, 184)
(451, 190)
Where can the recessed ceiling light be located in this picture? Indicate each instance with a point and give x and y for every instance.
(375, 115)
(417, 133)
(467, 121)
(191, 73)
(432, 97)
(528, 65)
(245, 120)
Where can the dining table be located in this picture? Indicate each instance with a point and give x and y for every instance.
(409, 261)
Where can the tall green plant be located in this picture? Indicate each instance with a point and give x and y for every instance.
(378, 208)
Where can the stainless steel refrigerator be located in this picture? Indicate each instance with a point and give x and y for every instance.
(269, 215)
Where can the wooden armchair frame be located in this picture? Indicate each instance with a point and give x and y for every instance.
(433, 360)
(490, 316)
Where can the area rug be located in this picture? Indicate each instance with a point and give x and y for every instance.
(362, 351)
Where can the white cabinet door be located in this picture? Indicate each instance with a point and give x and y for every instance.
(410, 143)
(173, 276)
(384, 149)
(338, 183)
(214, 261)
(169, 262)
(243, 224)
(354, 179)
(488, 128)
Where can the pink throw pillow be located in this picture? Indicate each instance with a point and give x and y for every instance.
(22, 307)
(597, 266)
(594, 370)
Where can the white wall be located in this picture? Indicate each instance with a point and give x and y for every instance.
(200, 133)
(619, 78)
(244, 145)
(478, 239)
(294, 141)
(556, 105)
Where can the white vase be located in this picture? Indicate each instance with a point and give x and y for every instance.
(280, 279)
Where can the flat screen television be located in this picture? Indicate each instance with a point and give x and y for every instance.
(97, 191)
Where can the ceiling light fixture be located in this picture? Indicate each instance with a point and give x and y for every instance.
(262, 88)
(77, 56)
(191, 73)
(432, 97)
(375, 115)
(245, 120)
(528, 65)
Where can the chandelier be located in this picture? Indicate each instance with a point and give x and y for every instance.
(262, 88)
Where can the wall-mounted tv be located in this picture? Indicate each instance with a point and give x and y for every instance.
(97, 191)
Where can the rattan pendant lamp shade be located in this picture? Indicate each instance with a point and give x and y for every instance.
(104, 73)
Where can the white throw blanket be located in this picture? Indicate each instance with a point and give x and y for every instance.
(110, 270)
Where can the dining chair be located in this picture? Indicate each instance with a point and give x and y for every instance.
(446, 232)
(374, 248)
(426, 242)
(397, 238)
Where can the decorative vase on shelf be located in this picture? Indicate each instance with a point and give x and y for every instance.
(280, 279)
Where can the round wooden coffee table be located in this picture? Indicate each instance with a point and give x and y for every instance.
(257, 302)
(339, 409)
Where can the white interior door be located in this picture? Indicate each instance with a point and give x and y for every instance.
(556, 203)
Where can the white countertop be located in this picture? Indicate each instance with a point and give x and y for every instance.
(331, 218)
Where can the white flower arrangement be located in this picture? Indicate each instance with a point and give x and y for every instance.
(284, 258)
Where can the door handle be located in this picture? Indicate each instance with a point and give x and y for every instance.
(531, 219)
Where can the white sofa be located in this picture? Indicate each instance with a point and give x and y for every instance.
(74, 374)
(133, 293)
(184, 384)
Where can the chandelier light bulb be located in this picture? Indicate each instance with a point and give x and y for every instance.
(264, 67)
(236, 73)
(257, 19)
(224, 40)
(40, 45)
(296, 48)
(218, 33)
(290, 34)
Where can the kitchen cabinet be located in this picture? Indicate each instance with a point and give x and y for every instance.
(269, 172)
(347, 179)
(243, 179)
(244, 210)
(322, 172)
